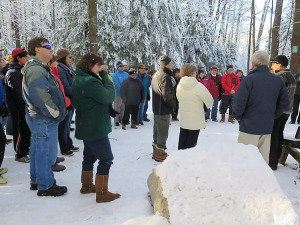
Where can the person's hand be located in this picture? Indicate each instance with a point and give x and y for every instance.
(232, 91)
(112, 112)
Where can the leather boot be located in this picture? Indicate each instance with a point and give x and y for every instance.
(154, 150)
(223, 118)
(102, 193)
(123, 126)
(133, 124)
(160, 155)
(230, 119)
(87, 182)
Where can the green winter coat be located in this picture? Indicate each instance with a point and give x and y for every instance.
(91, 97)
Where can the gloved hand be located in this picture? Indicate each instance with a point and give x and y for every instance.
(112, 112)
(148, 97)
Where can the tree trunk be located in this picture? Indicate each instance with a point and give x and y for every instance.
(262, 23)
(253, 24)
(271, 25)
(15, 26)
(92, 9)
(249, 43)
(276, 28)
(295, 57)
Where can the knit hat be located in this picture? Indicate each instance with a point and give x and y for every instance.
(62, 53)
(125, 63)
(229, 66)
(164, 60)
(119, 63)
(17, 51)
(281, 59)
(237, 71)
(9, 57)
(131, 71)
(214, 68)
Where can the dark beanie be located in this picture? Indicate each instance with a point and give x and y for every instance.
(229, 66)
(164, 60)
(62, 53)
(281, 59)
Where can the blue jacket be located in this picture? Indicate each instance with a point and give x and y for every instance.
(65, 78)
(41, 92)
(261, 97)
(146, 82)
(118, 79)
(1, 94)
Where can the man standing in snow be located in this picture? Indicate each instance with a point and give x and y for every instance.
(279, 66)
(45, 108)
(163, 103)
(118, 78)
(260, 99)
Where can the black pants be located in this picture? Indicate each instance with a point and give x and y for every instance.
(277, 139)
(2, 144)
(295, 109)
(226, 103)
(188, 138)
(132, 110)
(21, 133)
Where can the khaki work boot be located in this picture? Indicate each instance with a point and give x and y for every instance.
(133, 124)
(160, 155)
(230, 119)
(223, 118)
(102, 193)
(87, 182)
(154, 150)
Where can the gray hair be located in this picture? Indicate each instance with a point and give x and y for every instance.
(261, 58)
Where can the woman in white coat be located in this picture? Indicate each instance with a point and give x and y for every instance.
(192, 96)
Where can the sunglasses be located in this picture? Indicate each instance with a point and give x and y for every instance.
(46, 47)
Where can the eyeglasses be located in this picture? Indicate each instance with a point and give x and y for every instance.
(142, 68)
(46, 47)
(133, 74)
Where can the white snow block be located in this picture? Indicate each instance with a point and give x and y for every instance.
(220, 184)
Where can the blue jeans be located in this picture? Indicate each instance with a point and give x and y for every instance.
(214, 110)
(43, 151)
(145, 116)
(97, 149)
(141, 111)
(65, 142)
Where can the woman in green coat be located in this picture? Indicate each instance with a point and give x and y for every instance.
(92, 93)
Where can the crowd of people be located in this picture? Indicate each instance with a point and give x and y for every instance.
(42, 92)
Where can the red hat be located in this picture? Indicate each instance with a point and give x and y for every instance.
(17, 51)
(214, 67)
(237, 71)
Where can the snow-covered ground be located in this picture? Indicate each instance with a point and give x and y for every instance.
(132, 165)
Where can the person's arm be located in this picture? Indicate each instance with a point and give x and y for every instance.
(240, 101)
(205, 96)
(64, 80)
(168, 92)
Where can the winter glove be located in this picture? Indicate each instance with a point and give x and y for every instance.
(112, 112)
(148, 97)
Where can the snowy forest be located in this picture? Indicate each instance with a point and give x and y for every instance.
(207, 32)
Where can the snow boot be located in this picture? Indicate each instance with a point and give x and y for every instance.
(154, 150)
(87, 182)
(133, 124)
(123, 126)
(57, 168)
(102, 193)
(223, 118)
(55, 190)
(160, 154)
(230, 119)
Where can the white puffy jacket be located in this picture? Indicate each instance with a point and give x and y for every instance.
(191, 96)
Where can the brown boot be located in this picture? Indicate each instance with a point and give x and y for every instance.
(154, 150)
(87, 182)
(133, 124)
(230, 119)
(123, 126)
(223, 118)
(102, 193)
(160, 155)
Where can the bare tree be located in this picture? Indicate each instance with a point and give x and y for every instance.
(92, 10)
(276, 28)
(295, 56)
(262, 23)
(250, 32)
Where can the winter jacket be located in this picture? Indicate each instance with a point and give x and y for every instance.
(118, 79)
(297, 91)
(215, 85)
(55, 72)
(13, 81)
(163, 96)
(205, 82)
(132, 91)
(66, 77)
(144, 78)
(261, 98)
(91, 98)
(41, 92)
(192, 96)
(290, 84)
(230, 82)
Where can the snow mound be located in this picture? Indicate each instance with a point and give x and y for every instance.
(223, 184)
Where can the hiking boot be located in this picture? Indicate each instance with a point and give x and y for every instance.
(160, 155)
(223, 118)
(133, 124)
(117, 124)
(33, 187)
(55, 190)
(141, 123)
(123, 126)
(69, 153)
(3, 171)
(60, 159)
(8, 141)
(230, 119)
(74, 149)
(24, 159)
(102, 193)
(154, 151)
(3, 180)
(72, 129)
(146, 120)
(215, 120)
(57, 168)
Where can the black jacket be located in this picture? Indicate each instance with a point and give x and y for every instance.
(13, 81)
(132, 91)
(163, 96)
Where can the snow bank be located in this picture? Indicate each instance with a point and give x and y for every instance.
(223, 184)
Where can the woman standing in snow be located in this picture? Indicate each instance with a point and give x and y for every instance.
(192, 96)
(92, 93)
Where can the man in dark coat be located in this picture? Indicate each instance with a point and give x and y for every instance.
(279, 66)
(16, 105)
(260, 99)
(163, 103)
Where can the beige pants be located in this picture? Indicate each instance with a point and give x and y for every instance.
(263, 143)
